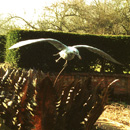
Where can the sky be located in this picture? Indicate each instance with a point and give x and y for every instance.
(21, 5)
(30, 10)
(17, 5)
(25, 7)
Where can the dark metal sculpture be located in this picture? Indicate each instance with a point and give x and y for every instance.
(28, 101)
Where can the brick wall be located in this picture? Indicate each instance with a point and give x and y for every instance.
(121, 87)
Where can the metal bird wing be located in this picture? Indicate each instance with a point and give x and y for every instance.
(59, 45)
(99, 52)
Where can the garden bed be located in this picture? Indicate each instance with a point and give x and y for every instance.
(115, 117)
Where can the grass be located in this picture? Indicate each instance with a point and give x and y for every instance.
(115, 117)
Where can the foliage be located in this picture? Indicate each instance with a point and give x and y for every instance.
(100, 17)
(39, 56)
(11, 22)
(28, 100)
(12, 56)
(108, 17)
(2, 47)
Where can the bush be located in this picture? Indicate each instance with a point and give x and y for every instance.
(12, 56)
(40, 56)
(2, 47)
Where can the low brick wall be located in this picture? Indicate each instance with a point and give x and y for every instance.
(121, 87)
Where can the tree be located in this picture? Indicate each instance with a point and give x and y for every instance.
(64, 17)
(108, 17)
(125, 15)
(11, 22)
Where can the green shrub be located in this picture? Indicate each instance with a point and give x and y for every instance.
(2, 47)
(12, 56)
(40, 56)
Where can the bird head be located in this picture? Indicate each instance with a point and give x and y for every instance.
(76, 52)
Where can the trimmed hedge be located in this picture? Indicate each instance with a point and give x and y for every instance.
(2, 47)
(12, 56)
(40, 56)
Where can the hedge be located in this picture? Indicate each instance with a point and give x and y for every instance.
(2, 47)
(39, 55)
(12, 56)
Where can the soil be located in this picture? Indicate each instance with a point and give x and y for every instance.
(115, 117)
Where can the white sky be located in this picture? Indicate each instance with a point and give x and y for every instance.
(19, 7)
(23, 7)
(27, 9)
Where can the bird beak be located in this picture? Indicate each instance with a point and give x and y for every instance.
(79, 57)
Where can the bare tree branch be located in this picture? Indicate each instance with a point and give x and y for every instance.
(15, 17)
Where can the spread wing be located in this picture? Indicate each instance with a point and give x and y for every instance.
(59, 45)
(99, 52)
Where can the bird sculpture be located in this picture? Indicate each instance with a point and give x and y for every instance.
(66, 52)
